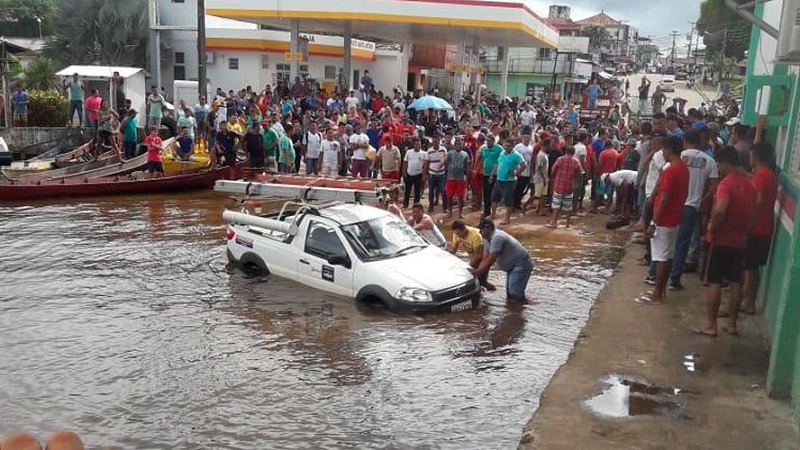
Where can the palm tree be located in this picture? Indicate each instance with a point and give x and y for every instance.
(40, 74)
(107, 32)
(598, 37)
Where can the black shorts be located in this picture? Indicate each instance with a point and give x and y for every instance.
(503, 192)
(725, 264)
(756, 253)
(105, 133)
(155, 166)
(256, 162)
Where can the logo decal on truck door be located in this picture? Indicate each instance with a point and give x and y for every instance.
(327, 273)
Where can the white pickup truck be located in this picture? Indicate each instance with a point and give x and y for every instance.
(356, 251)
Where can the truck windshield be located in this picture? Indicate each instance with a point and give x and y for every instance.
(381, 238)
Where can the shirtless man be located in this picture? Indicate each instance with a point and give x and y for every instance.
(426, 227)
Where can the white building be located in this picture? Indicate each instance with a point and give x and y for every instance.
(239, 54)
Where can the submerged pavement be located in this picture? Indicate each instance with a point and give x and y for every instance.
(640, 379)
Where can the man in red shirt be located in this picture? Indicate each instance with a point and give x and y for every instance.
(760, 237)
(670, 195)
(564, 173)
(606, 163)
(732, 214)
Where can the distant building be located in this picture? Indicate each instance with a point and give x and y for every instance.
(24, 49)
(646, 52)
(621, 45)
(536, 71)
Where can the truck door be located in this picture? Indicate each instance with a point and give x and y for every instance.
(325, 262)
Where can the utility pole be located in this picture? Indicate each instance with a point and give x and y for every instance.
(674, 34)
(691, 37)
(6, 91)
(201, 49)
(725, 41)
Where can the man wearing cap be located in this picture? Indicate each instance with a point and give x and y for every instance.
(510, 256)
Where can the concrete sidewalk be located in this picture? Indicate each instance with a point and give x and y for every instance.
(725, 407)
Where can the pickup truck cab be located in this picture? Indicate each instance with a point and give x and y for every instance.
(355, 251)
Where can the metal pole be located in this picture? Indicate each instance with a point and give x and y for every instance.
(4, 75)
(155, 44)
(202, 81)
(504, 74)
(294, 48)
(555, 75)
(347, 54)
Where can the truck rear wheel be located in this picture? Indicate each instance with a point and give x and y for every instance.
(252, 265)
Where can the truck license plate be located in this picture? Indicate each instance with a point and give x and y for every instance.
(463, 306)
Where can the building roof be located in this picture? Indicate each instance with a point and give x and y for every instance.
(28, 44)
(561, 24)
(601, 19)
(98, 71)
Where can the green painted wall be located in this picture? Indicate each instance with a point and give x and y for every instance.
(780, 286)
(517, 82)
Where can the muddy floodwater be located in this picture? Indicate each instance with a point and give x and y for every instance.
(121, 319)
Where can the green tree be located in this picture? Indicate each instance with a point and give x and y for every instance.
(21, 18)
(721, 27)
(104, 32)
(40, 74)
(598, 37)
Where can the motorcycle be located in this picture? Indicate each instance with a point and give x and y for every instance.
(689, 83)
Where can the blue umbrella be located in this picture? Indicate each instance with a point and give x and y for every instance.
(430, 102)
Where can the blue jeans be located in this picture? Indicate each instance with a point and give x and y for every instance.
(690, 219)
(517, 279)
(436, 188)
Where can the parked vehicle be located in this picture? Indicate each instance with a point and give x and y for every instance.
(356, 251)
(5, 153)
(668, 83)
(681, 75)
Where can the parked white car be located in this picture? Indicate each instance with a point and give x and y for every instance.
(668, 83)
(356, 251)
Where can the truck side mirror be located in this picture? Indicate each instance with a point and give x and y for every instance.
(339, 260)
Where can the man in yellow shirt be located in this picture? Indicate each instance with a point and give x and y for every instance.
(470, 240)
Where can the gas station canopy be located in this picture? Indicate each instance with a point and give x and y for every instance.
(500, 23)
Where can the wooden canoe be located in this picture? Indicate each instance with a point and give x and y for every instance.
(19, 191)
(46, 162)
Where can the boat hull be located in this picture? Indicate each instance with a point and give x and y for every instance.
(71, 188)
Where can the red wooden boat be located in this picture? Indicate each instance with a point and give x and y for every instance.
(17, 191)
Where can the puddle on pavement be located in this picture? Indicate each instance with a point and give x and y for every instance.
(624, 397)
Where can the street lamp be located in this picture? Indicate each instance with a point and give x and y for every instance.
(39, 20)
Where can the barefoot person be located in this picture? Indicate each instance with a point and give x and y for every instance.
(511, 257)
(565, 171)
(457, 164)
(509, 165)
(154, 144)
(469, 239)
(20, 441)
(732, 213)
(670, 195)
(760, 237)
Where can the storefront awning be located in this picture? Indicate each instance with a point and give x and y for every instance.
(605, 75)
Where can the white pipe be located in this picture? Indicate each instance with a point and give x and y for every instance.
(261, 222)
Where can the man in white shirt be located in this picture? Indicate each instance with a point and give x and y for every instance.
(703, 179)
(332, 157)
(623, 181)
(413, 164)
(359, 144)
(352, 101)
(528, 117)
(313, 144)
(436, 170)
(656, 164)
(580, 183)
(525, 149)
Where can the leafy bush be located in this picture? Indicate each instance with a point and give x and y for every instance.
(47, 108)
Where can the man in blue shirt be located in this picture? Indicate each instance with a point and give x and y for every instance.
(488, 156)
(511, 257)
(20, 100)
(593, 91)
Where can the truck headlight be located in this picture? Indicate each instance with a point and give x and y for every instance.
(414, 295)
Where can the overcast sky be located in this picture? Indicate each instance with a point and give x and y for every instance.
(655, 18)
